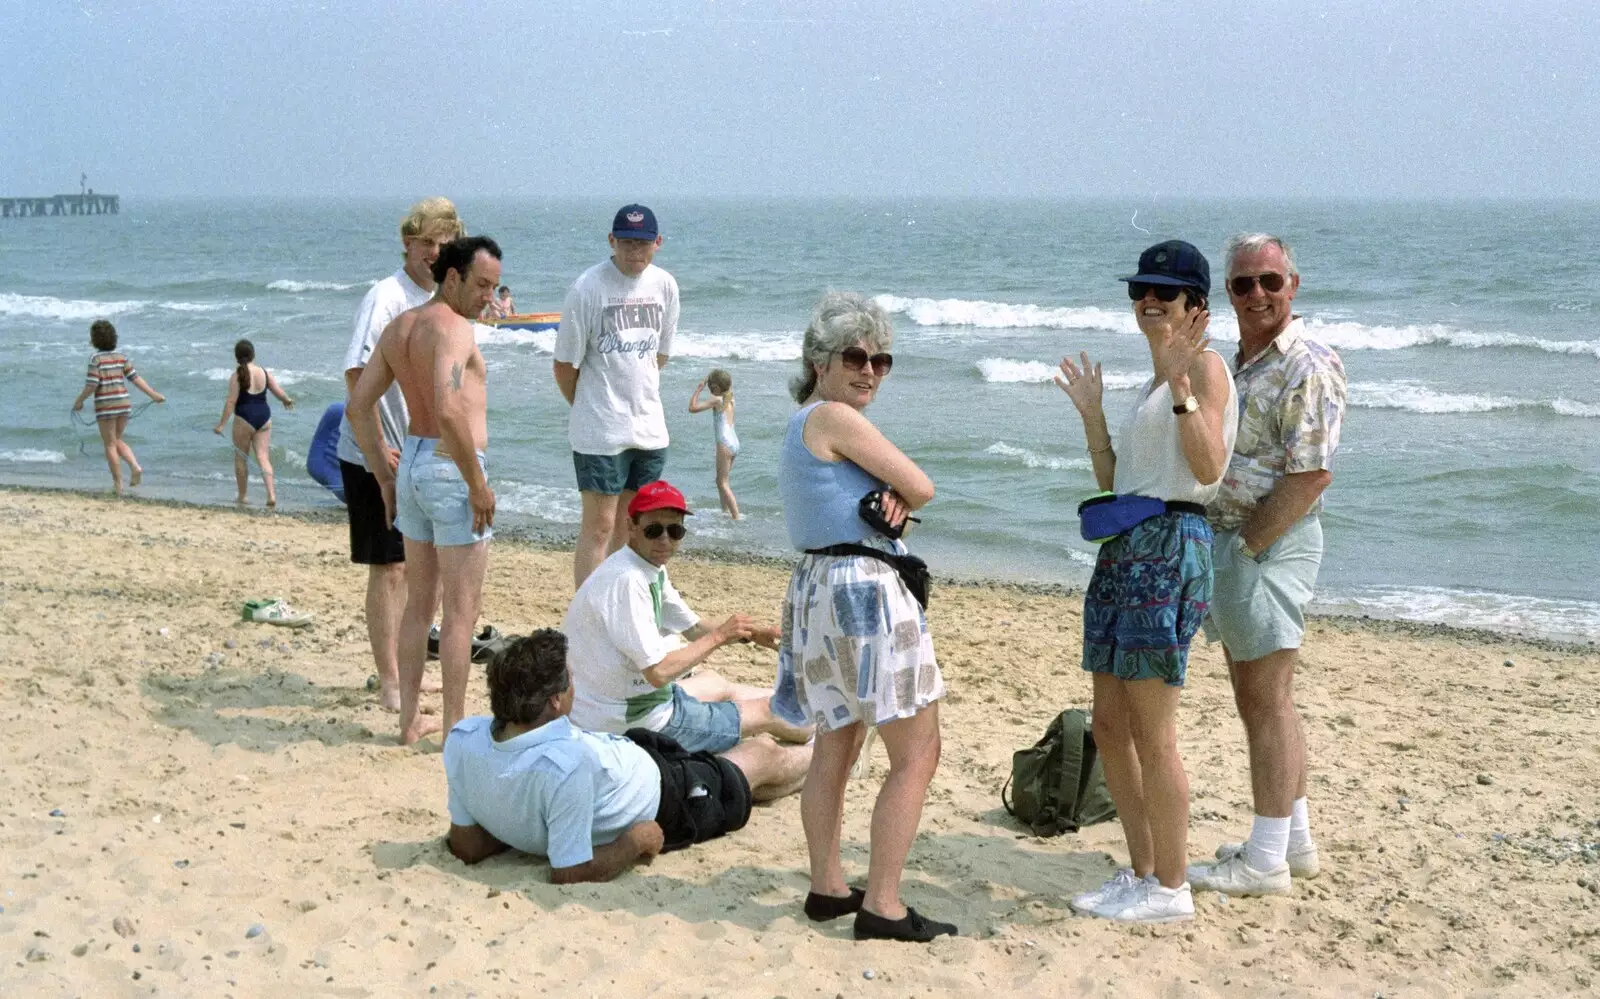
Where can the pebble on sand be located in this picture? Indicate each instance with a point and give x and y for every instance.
(255, 930)
(230, 644)
(124, 926)
(56, 813)
(869, 974)
(1485, 779)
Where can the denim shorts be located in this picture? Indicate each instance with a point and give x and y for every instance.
(613, 474)
(430, 497)
(1259, 605)
(1148, 595)
(698, 726)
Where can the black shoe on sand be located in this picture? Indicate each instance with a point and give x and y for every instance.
(821, 908)
(914, 927)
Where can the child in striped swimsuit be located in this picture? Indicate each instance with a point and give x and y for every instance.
(110, 371)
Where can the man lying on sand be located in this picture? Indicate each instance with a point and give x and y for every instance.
(630, 664)
(593, 803)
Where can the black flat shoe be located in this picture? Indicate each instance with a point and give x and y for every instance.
(914, 928)
(821, 908)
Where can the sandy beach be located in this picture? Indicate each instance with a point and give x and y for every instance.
(199, 806)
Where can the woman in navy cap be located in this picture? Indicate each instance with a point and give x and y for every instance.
(1152, 581)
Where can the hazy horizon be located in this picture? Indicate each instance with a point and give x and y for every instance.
(829, 98)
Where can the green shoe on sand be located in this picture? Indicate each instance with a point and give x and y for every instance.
(274, 611)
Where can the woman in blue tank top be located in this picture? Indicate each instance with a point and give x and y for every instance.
(855, 651)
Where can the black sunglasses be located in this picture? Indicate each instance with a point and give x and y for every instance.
(673, 531)
(1164, 292)
(1271, 283)
(858, 359)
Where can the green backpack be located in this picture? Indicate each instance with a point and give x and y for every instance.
(1058, 784)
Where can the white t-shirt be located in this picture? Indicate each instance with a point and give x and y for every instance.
(625, 618)
(557, 791)
(388, 298)
(612, 328)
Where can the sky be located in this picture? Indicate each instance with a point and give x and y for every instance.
(785, 98)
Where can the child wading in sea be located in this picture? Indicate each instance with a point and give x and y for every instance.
(110, 371)
(252, 417)
(721, 405)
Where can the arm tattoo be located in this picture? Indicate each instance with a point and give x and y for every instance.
(455, 376)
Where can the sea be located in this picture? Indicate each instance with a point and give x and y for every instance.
(1466, 489)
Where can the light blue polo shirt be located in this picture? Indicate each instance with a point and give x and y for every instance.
(556, 792)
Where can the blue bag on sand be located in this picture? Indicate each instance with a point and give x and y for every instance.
(1103, 516)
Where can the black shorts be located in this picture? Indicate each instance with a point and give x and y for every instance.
(703, 795)
(371, 542)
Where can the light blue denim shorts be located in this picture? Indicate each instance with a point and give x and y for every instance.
(431, 497)
(1258, 606)
(711, 726)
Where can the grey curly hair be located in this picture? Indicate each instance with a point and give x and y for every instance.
(1255, 242)
(841, 320)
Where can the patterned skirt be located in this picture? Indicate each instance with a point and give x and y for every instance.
(855, 646)
(1149, 592)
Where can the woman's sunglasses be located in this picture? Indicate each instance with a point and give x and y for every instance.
(857, 359)
(673, 531)
(1270, 283)
(1164, 292)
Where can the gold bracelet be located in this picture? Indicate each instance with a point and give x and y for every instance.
(1098, 450)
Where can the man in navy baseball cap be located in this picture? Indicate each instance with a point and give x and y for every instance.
(635, 222)
(1173, 263)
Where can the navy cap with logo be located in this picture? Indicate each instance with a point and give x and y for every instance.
(634, 222)
(1174, 262)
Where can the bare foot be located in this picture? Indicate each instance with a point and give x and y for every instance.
(240, 501)
(272, 502)
(136, 477)
(389, 699)
(420, 729)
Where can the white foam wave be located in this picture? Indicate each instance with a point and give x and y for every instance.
(1415, 397)
(738, 346)
(1356, 336)
(30, 456)
(1033, 459)
(1002, 370)
(542, 341)
(285, 376)
(78, 309)
(561, 506)
(1004, 315)
(298, 286)
(1562, 619)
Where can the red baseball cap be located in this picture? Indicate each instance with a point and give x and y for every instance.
(658, 495)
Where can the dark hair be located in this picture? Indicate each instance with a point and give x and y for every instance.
(1194, 298)
(103, 335)
(244, 352)
(458, 255)
(529, 672)
(504, 287)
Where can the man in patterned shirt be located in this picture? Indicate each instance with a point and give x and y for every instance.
(1267, 552)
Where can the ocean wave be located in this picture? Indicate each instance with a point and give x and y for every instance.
(1004, 315)
(285, 376)
(1033, 459)
(1562, 619)
(1413, 396)
(543, 341)
(284, 284)
(31, 456)
(1356, 336)
(1003, 370)
(765, 347)
(559, 505)
(79, 309)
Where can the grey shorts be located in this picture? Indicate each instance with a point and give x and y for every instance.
(614, 474)
(430, 497)
(1258, 606)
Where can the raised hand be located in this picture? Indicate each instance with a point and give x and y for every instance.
(1081, 384)
(1183, 344)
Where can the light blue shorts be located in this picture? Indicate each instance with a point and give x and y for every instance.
(698, 725)
(1258, 607)
(431, 497)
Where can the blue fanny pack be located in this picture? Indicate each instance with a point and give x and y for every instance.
(1103, 516)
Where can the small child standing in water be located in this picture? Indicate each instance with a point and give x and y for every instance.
(721, 405)
(110, 371)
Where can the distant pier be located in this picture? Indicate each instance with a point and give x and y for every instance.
(60, 204)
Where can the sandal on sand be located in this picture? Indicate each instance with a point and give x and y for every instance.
(486, 644)
(275, 611)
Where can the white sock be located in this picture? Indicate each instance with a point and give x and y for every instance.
(1269, 843)
(1299, 825)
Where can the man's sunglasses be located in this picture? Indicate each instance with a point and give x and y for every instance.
(857, 359)
(1164, 292)
(1271, 283)
(673, 531)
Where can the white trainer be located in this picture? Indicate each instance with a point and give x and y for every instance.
(1233, 876)
(1303, 863)
(1116, 886)
(1151, 903)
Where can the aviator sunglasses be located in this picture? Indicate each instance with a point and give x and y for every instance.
(673, 531)
(1164, 292)
(857, 359)
(1271, 283)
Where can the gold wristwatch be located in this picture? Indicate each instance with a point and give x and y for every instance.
(1188, 405)
(1244, 549)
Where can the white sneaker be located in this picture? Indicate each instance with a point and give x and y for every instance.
(1151, 903)
(280, 613)
(1303, 862)
(1233, 876)
(1116, 886)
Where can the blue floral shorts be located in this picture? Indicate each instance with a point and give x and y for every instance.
(1147, 598)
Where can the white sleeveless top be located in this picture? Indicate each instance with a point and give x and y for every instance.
(1150, 458)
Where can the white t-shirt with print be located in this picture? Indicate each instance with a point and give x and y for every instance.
(555, 792)
(612, 328)
(625, 618)
(388, 298)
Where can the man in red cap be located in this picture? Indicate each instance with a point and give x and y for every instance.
(631, 638)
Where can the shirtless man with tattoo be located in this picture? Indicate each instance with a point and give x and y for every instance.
(439, 496)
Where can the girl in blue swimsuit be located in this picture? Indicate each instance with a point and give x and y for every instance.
(727, 439)
(252, 417)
